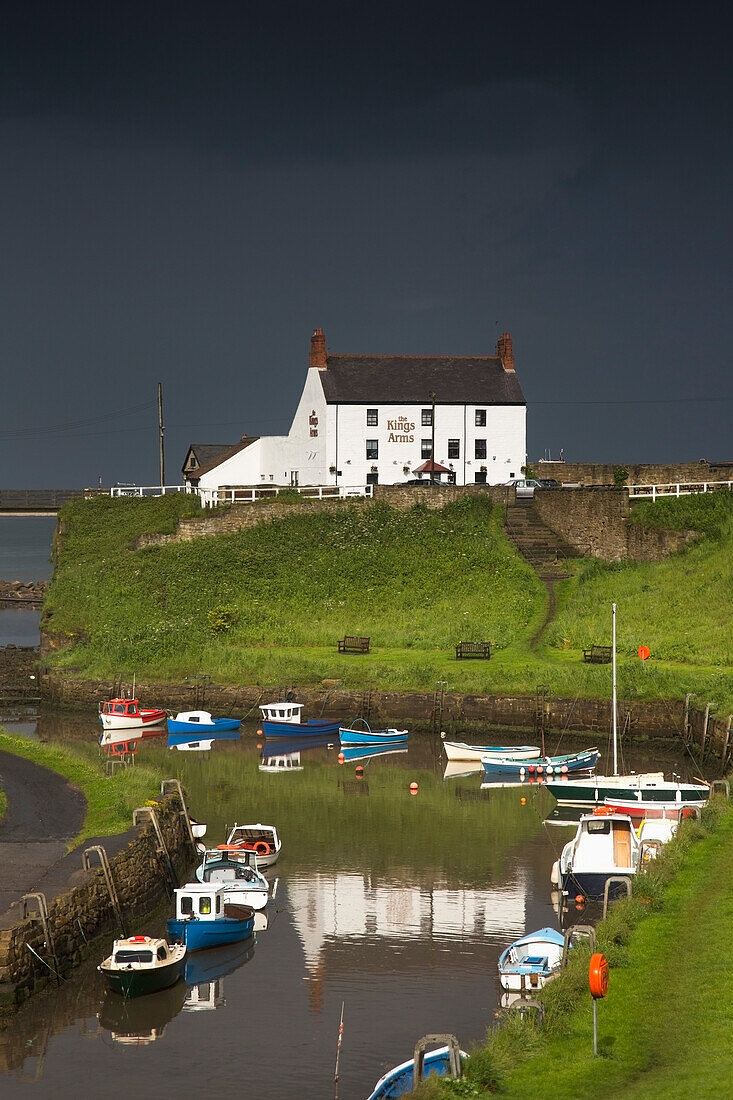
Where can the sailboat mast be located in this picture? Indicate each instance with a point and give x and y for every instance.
(614, 708)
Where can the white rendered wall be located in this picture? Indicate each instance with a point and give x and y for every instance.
(399, 433)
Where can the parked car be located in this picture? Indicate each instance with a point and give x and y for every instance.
(549, 483)
(524, 486)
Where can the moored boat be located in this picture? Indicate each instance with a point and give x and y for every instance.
(461, 751)
(245, 885)
(141, 964)
(531, 961)
(646, 787)
(260, 839)
(444, 1061)
(127, 714)
(605, 845)
(285, 719)
(361, 733)
(204, 918)
(541, 766)
(201, 721)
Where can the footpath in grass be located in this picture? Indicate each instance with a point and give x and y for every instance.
(664, 1028)
(110, 799)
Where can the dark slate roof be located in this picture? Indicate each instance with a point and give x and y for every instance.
(218, 454)
(408, 379)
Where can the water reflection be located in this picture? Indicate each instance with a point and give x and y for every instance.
(141, 1020)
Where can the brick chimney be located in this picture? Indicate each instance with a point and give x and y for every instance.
(317, 357)
(505, 351)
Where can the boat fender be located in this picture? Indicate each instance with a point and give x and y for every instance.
(603, 811)
(262, 848)
(555, 874)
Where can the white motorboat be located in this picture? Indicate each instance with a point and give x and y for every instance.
(531, 961)
(260, 839)
(461, 751)
(605, 845)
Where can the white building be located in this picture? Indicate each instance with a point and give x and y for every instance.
(367, 419)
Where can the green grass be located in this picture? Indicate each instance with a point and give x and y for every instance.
(664, 1027)
(265, 606)
(110, 799)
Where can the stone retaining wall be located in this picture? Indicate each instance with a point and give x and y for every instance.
(639, 473)
(85, 911)
(596, 523)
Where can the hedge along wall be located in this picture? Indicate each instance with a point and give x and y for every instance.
(85, 911)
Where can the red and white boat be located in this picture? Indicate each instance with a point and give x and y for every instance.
(127, 714)
(671, 811)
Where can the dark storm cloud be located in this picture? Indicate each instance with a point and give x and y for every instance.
(187, 190)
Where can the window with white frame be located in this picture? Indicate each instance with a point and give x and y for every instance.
(372, 418)
(480, 448)
(480, 418)
(372, 449)
(454, 448)
(427, 418)
(426, 448)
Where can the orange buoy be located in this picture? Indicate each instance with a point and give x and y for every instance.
(359, 769)
(340, 758)
(598, 976)
(259, 733)
(413, 788)
(579, 900)
(262, 848)
(523, 801)
(259, 744)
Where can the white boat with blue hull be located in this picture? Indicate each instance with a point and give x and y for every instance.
(205, 918)
(531, 961)
(605, 846)
(195, 722)
(444, 1061)
(541, 766)
(285, 719)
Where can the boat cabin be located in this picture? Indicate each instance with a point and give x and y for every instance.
(218, 866)
(140, 952)
(128, 708)
(605, 840)
(200, 901)
(282, 712)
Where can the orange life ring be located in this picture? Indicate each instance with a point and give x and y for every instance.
(262, 848)
(598, 976)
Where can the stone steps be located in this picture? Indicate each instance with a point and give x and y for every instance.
(537, 543)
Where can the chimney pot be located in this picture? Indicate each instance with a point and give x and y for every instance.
(317, 357)
(505, 351)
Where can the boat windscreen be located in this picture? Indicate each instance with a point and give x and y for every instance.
(125, 957)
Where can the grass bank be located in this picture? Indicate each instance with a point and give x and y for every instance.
(265, 606)
(664, 1027)
(110, 799)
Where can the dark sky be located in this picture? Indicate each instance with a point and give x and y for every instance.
(188, 190)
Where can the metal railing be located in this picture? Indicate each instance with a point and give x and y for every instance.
(677, 489)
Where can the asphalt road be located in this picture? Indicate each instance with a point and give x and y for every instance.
(44, 813)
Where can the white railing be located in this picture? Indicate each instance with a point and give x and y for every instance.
(678, 488)
(235, 495)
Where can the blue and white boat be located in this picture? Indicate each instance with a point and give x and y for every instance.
(204, 918)
(200, 722)
(285, 719)
(243, 884)
(361, 733)
(444, 1061)
(606, 845)
(541, 765)
(531, 961)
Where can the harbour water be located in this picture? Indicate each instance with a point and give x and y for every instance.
(392, 905)
(25, 555)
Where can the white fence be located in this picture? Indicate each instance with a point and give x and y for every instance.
(677, 489)
(235, 495)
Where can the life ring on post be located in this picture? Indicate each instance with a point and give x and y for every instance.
(262, 848)
(598, 976)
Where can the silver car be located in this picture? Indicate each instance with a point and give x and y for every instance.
(524, 486)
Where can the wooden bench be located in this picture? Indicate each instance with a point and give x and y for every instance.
(597, 655)
(473, 649)
(351, 644)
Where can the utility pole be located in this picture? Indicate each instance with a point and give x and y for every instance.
(432, 440)
(161, 429)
